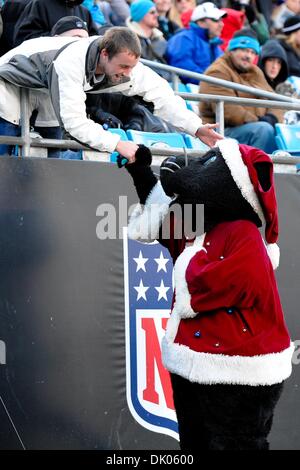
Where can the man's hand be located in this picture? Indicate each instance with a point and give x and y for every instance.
(208, 135)
(127, 149)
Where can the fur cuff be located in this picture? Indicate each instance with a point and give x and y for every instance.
(274, 254)
(145, 221)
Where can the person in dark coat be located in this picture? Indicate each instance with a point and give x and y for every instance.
(273, 62)
(11, 11)
(39, 17)
(290, 41)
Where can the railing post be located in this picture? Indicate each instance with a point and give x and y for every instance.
(24, 122)
(175, 81)
(220, 116)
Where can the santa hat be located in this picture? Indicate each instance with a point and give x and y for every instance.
(241, 160)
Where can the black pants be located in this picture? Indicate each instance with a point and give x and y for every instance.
(224, 417)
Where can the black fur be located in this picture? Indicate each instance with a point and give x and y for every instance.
(224, 417)
(142, 175)
(207, 180)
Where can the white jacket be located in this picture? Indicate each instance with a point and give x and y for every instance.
(66, 68)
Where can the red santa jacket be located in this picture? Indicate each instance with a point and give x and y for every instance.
(227, 324)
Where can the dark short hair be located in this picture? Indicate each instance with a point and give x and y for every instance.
(119, 39)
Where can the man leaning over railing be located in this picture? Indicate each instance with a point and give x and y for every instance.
(68, 69)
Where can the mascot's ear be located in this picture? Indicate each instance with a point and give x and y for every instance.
(143, 156)
(264, 172)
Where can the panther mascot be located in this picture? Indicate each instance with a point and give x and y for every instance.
(226, 345)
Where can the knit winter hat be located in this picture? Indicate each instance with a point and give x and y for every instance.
(66, 23)
(244, 39)
(291, 25)
(140, 8)
(241, 160)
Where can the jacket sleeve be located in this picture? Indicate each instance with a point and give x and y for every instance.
(234, 115)
(235, 280)
(66, 79)
(167, 106)
(180, 53)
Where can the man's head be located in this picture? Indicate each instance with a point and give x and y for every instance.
(120, 50)
(208, 16)
(70, 26)
(144, 11)
(291, 28)
(243, 49)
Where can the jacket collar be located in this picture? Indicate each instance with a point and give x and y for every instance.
(134, 26)
(203, 34)
(91, 61)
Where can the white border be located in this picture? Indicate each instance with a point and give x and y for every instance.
(151, 427)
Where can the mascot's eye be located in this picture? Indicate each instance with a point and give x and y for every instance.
(210, 160)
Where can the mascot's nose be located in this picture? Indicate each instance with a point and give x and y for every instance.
(167, 170)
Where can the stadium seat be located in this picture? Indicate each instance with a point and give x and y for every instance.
(181, 88)
(288, 138)
(193, 143)
(157, 139)
(295, 81)
(193, 88)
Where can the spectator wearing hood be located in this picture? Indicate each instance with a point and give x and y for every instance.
(197, 48)
(274, 63)
(39, 17)
(290, 41)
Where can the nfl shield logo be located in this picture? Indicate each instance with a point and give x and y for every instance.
(148, 273)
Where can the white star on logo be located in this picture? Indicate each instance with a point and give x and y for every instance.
(161, 262)
(141, 290)
(162, 291)
(140, 261)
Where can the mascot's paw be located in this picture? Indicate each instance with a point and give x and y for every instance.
(143, 156)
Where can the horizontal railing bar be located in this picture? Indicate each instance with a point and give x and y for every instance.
(236, 100)
(155, 151)
(220, 82)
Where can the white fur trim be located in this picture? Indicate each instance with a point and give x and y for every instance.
(145, 221)
(182, 305)
(233, 158)
(274, 254)
(207, 368)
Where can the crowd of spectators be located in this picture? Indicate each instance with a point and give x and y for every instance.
(199, 36)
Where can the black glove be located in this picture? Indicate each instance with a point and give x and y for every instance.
(102, 117)
(270, 118)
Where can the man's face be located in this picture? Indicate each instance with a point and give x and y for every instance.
(150, 19)
(272, 67)
(243, 59)
(118, 67)
(214, 27)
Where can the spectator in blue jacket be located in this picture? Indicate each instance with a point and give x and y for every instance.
(196, 48)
